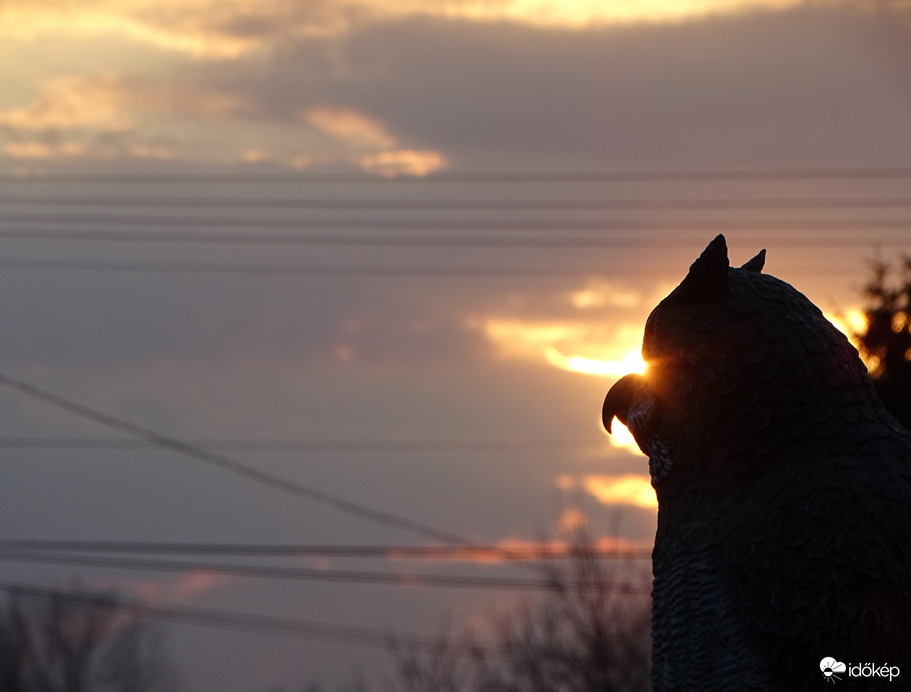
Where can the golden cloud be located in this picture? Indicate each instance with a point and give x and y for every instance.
(569, 14)
(357, 132)
(33, 149)
(232, 28)
(108, 102)
(200, 28)
(629, 362)
(105, 117)
(599, 293)
(575, 346)
(630, 490)
(586, 13)
(356, 140)
(396, 162)
(109, 116)
(68, 102)
(62, 149)
(527, 339)
(354, 129)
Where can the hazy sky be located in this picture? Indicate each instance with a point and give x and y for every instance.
(363, 230)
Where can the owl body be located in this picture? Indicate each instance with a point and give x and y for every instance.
(784, 489)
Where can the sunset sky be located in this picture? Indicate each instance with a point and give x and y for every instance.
(395, 252)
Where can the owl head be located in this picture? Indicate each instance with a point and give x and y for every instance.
(743, 371)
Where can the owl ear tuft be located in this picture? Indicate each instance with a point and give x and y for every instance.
(708, 275)
(756, 264)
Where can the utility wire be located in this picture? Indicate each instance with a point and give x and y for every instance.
(404, 240)
(354, 445)
(467, 204)
(495, 224)
(244, 622)
(473, 204)
(365, 270)
(228, 464)
(469, 552)
(302, 574)
(628, 176)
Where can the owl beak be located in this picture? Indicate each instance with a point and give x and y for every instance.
(618, 400)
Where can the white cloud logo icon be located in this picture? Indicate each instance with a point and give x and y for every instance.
(829, 666)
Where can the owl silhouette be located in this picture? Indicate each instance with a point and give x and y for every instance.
(783, 485)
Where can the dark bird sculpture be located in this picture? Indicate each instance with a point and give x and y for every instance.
(784, 490)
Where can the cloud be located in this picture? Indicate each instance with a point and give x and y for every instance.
(68, 102)
(109, 117)
(597, 347)
(406, 89)
(227, 29)
(355, 129)
(231, 29)
(367, 143)
(630, 489)
(77, 117)
(758, 89)
(397, 162)
(600, 293)
(586, 13)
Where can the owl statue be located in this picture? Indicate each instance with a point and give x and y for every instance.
(782, 559)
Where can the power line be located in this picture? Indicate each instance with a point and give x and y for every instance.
(628, 176)
(364, 270)
(228, 464)
(398, 240)
(273, 269)
(245, 622)
(388, 552)
(302, 574)
(441, 224)
(467, 204)
(353, 445)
